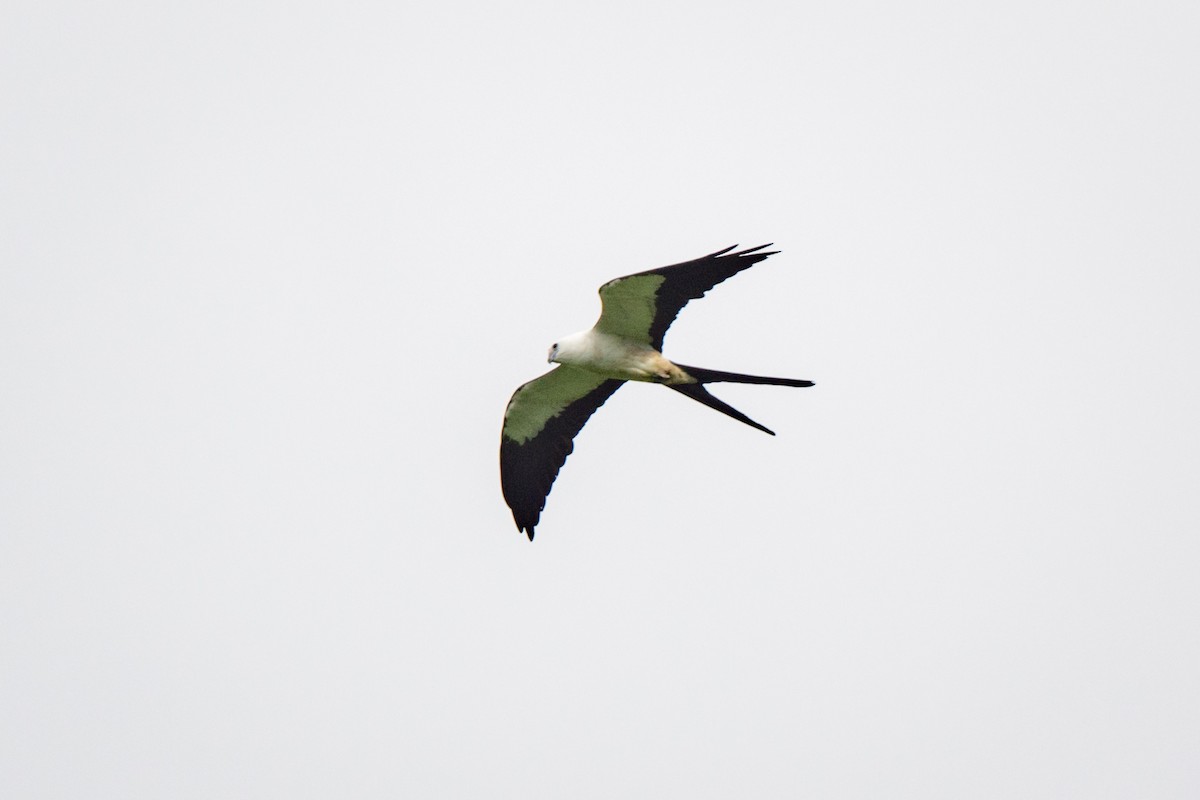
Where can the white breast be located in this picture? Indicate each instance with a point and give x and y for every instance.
(612, 356)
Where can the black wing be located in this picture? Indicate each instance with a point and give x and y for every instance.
(643, 305)
(540, 423)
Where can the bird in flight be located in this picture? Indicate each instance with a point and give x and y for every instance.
(625, 344)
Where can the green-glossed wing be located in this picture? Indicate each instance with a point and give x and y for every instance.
(642, 306)
(540, 424)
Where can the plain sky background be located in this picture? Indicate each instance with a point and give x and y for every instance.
(270, 271)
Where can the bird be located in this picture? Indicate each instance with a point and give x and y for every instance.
(544, 415)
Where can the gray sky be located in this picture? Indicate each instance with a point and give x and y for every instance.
(270, 271)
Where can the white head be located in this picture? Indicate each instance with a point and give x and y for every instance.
(569, 348)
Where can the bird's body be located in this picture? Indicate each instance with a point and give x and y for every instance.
(625, 344)
(617, 357)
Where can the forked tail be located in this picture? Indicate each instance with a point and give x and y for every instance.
(697, 392)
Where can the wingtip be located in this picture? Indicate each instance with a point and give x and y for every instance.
(525, 527)
(754, 251)
(760, 247)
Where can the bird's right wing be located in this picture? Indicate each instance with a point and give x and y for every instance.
(540, 423)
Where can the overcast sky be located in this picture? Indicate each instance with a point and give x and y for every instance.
(270, 271)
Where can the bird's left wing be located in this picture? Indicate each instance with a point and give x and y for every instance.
(642, 306)
(540, 423)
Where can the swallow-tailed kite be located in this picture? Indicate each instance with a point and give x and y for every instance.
(544, 415)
